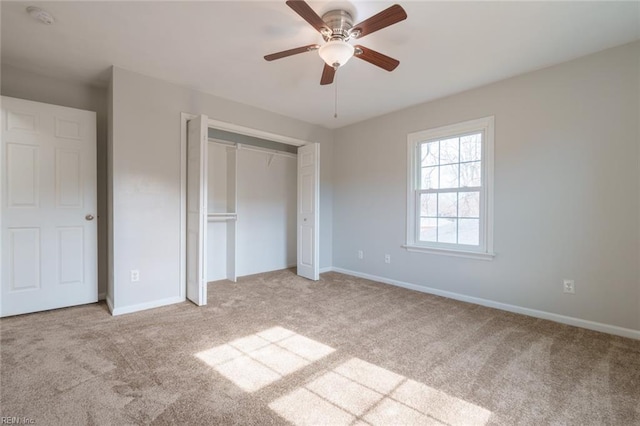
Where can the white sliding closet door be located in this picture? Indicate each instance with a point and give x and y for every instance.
(308, 217)
(197, 210)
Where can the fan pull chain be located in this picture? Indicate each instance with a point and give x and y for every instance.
(335, 111)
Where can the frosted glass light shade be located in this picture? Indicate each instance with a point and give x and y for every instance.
(336, 52)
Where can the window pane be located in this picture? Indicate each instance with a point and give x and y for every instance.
(469, 231)
(429, 205)
(429, 154)
(429, 179)
(449, 176)
(448, 205)
(428, 230)
(449, 151)
(470, 174)
(469, 204)
(471, 147)
(447, 230)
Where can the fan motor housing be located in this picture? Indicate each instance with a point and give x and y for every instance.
(340, 23)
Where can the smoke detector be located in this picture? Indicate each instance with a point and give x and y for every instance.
(41, 15)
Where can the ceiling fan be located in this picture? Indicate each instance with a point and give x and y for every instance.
(336, 27)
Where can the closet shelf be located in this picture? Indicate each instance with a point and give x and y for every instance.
(221, 217)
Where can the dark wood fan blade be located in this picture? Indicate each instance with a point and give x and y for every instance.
(290, 52)
(389, 16)
(327, 75)
(305, 11)
(376, 58)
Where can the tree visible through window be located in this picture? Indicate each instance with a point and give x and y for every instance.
(449, 188)
(451, 179)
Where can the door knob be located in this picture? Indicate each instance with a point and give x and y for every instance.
(89, 217)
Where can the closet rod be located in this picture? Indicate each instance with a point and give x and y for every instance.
(251, 148)
(221, 142)
(267, 151)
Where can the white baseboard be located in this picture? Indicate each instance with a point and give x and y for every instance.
(327, 269)
(143, 306)
(102, 296)
(577, 322)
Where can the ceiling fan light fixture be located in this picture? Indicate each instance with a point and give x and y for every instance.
(336, 53)
(336, 27)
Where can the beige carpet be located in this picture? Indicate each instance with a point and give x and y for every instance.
(277, 349)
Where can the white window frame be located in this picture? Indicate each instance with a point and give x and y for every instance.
(414, 140)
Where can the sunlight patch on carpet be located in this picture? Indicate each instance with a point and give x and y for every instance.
(357, 391)
(258, 360)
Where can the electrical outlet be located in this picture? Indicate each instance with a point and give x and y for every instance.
(360, 254)
(135, 275)
(569, 286)
(387, 258)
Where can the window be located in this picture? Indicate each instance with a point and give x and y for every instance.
(450, 189)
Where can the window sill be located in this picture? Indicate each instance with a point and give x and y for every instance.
(448, 252)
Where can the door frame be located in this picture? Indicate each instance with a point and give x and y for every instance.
(228, 127)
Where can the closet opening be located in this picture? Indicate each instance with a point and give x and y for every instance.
(251, 204)
(254, 179)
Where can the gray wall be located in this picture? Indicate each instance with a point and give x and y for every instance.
(567, 193)
(567, 184)
(18, 83)
(146, 178)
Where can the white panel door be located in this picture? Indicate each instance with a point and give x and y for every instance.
(48, 225)
(308, 217)
(197, 202)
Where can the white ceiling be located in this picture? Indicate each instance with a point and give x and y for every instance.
(218, 47)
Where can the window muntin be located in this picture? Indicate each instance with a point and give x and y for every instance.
(449, 187)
